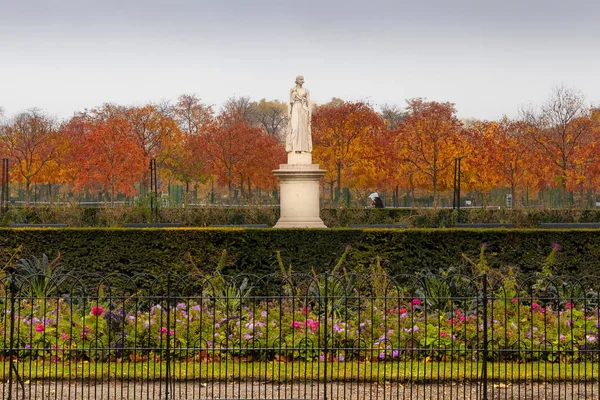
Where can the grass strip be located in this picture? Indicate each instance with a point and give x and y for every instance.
(416, 372)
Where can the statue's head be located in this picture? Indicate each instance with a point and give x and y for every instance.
(300, 79)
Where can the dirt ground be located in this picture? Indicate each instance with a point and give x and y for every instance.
(312, 390)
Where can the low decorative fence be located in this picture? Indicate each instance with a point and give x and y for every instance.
(294, 336)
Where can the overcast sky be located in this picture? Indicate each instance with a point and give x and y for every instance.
(488, 57)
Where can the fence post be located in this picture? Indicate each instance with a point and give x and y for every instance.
(325, 350)
(484, 372)
(11, 337)
(168, 336)
(12, 368)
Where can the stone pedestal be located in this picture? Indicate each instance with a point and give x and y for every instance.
(299, 192)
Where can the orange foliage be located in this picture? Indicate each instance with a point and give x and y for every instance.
(238, 152)
(109, 158)
(346, 138)
(31, 142)
(431, 137)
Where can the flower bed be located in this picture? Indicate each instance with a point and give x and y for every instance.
(331, 328)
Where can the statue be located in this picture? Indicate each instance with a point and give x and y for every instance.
(298, 136)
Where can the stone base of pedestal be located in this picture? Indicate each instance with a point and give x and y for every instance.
(299, 196)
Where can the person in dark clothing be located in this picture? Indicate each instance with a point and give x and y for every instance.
(376, 201)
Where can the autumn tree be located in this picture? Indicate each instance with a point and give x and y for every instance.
(109, 158)
(157, 135)
(240, 108)
(30, 141)
(192, 115)
(562, 130)
(234, 148)
(431, 139)
(272, 117)
(193, 118)
(498, 155)
(259, 173)
(392, 116)
(343, 134)
(392, 168)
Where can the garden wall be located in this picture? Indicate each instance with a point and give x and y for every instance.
(117, 250)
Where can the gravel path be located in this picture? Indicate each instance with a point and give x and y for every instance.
(336, 391)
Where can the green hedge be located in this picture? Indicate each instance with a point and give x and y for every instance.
(76, 216)
(116, 250)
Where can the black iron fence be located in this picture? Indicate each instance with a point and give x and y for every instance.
(292, 336)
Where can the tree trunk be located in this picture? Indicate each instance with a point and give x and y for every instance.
(331, 191)
(339, 183)
(27, 191)
(513, 193)
(434, 181)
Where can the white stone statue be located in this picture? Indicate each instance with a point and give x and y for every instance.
(298, 138)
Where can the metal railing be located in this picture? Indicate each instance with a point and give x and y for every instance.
(299, 336)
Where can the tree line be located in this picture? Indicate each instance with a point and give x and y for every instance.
(410, 150)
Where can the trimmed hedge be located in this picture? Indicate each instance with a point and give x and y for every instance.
(155, 251)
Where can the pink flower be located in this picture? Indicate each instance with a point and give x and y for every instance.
(514, 300)
(297, 325)
(402, 310)
(556, 246)
(569, 305)
(312, 324)
(534, 305)
(462, 318)
(415, 302)
(40, 328)
(97, 311)
(305, 310)
(84, 333)
(64, 336)
(163, 330)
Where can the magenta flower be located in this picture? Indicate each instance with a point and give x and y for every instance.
(40, 328)
(97, 311)
(312, 324)
(415, 302)
(297, 325)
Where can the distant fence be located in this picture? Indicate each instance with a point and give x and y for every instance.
(331, 336)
